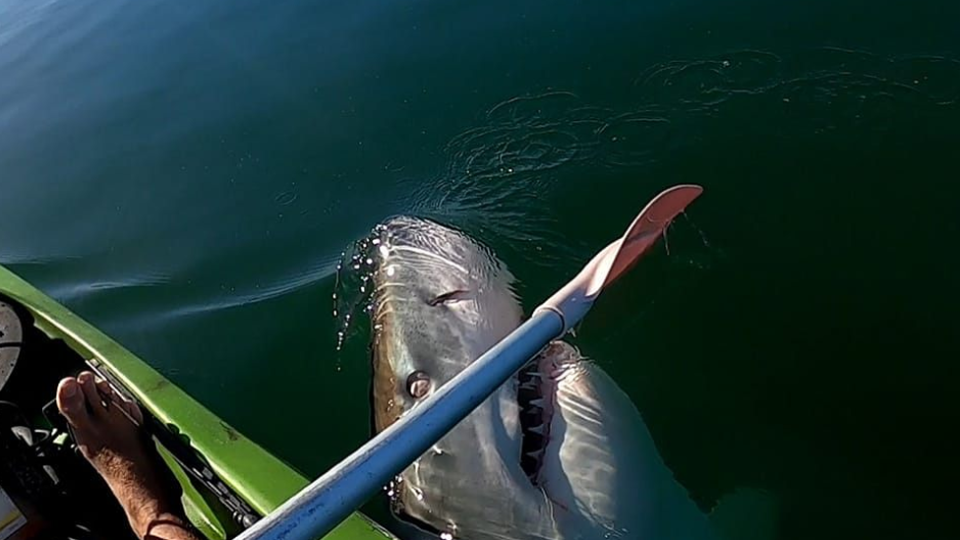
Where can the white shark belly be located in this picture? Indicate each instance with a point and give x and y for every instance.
(601, 467)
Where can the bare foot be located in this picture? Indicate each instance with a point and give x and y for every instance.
(118, 450)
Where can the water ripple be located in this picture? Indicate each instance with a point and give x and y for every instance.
(283, 286)
(76, 292)
(500, 174)
(523, 139)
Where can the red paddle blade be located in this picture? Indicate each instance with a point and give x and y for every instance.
(648, 227)
(575, 298)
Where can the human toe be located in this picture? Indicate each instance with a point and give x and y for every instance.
(71, 401)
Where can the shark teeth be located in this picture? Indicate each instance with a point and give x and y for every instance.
(535, 409)
(539, 430)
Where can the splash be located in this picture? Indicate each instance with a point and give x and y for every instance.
(353, 289)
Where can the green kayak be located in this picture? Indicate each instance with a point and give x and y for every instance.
(228, 480)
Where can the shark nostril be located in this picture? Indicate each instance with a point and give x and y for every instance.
(418, 384)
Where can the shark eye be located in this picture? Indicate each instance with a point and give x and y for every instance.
(418, 384)
(450, 297)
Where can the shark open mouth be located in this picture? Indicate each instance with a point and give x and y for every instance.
(534, 396)
(537, 399)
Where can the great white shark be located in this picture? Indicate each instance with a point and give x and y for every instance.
(558, 452)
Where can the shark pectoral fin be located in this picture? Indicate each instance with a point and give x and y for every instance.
(746, 514)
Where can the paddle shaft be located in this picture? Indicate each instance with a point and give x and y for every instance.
(330, 499)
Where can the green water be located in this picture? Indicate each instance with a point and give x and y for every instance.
(186, 174)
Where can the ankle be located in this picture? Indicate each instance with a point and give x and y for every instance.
(160, 524)
(142, 512)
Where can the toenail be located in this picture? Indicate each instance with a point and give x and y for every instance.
(69, 389)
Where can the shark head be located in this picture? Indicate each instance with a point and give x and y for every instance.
(557, 452)
(441, 301)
